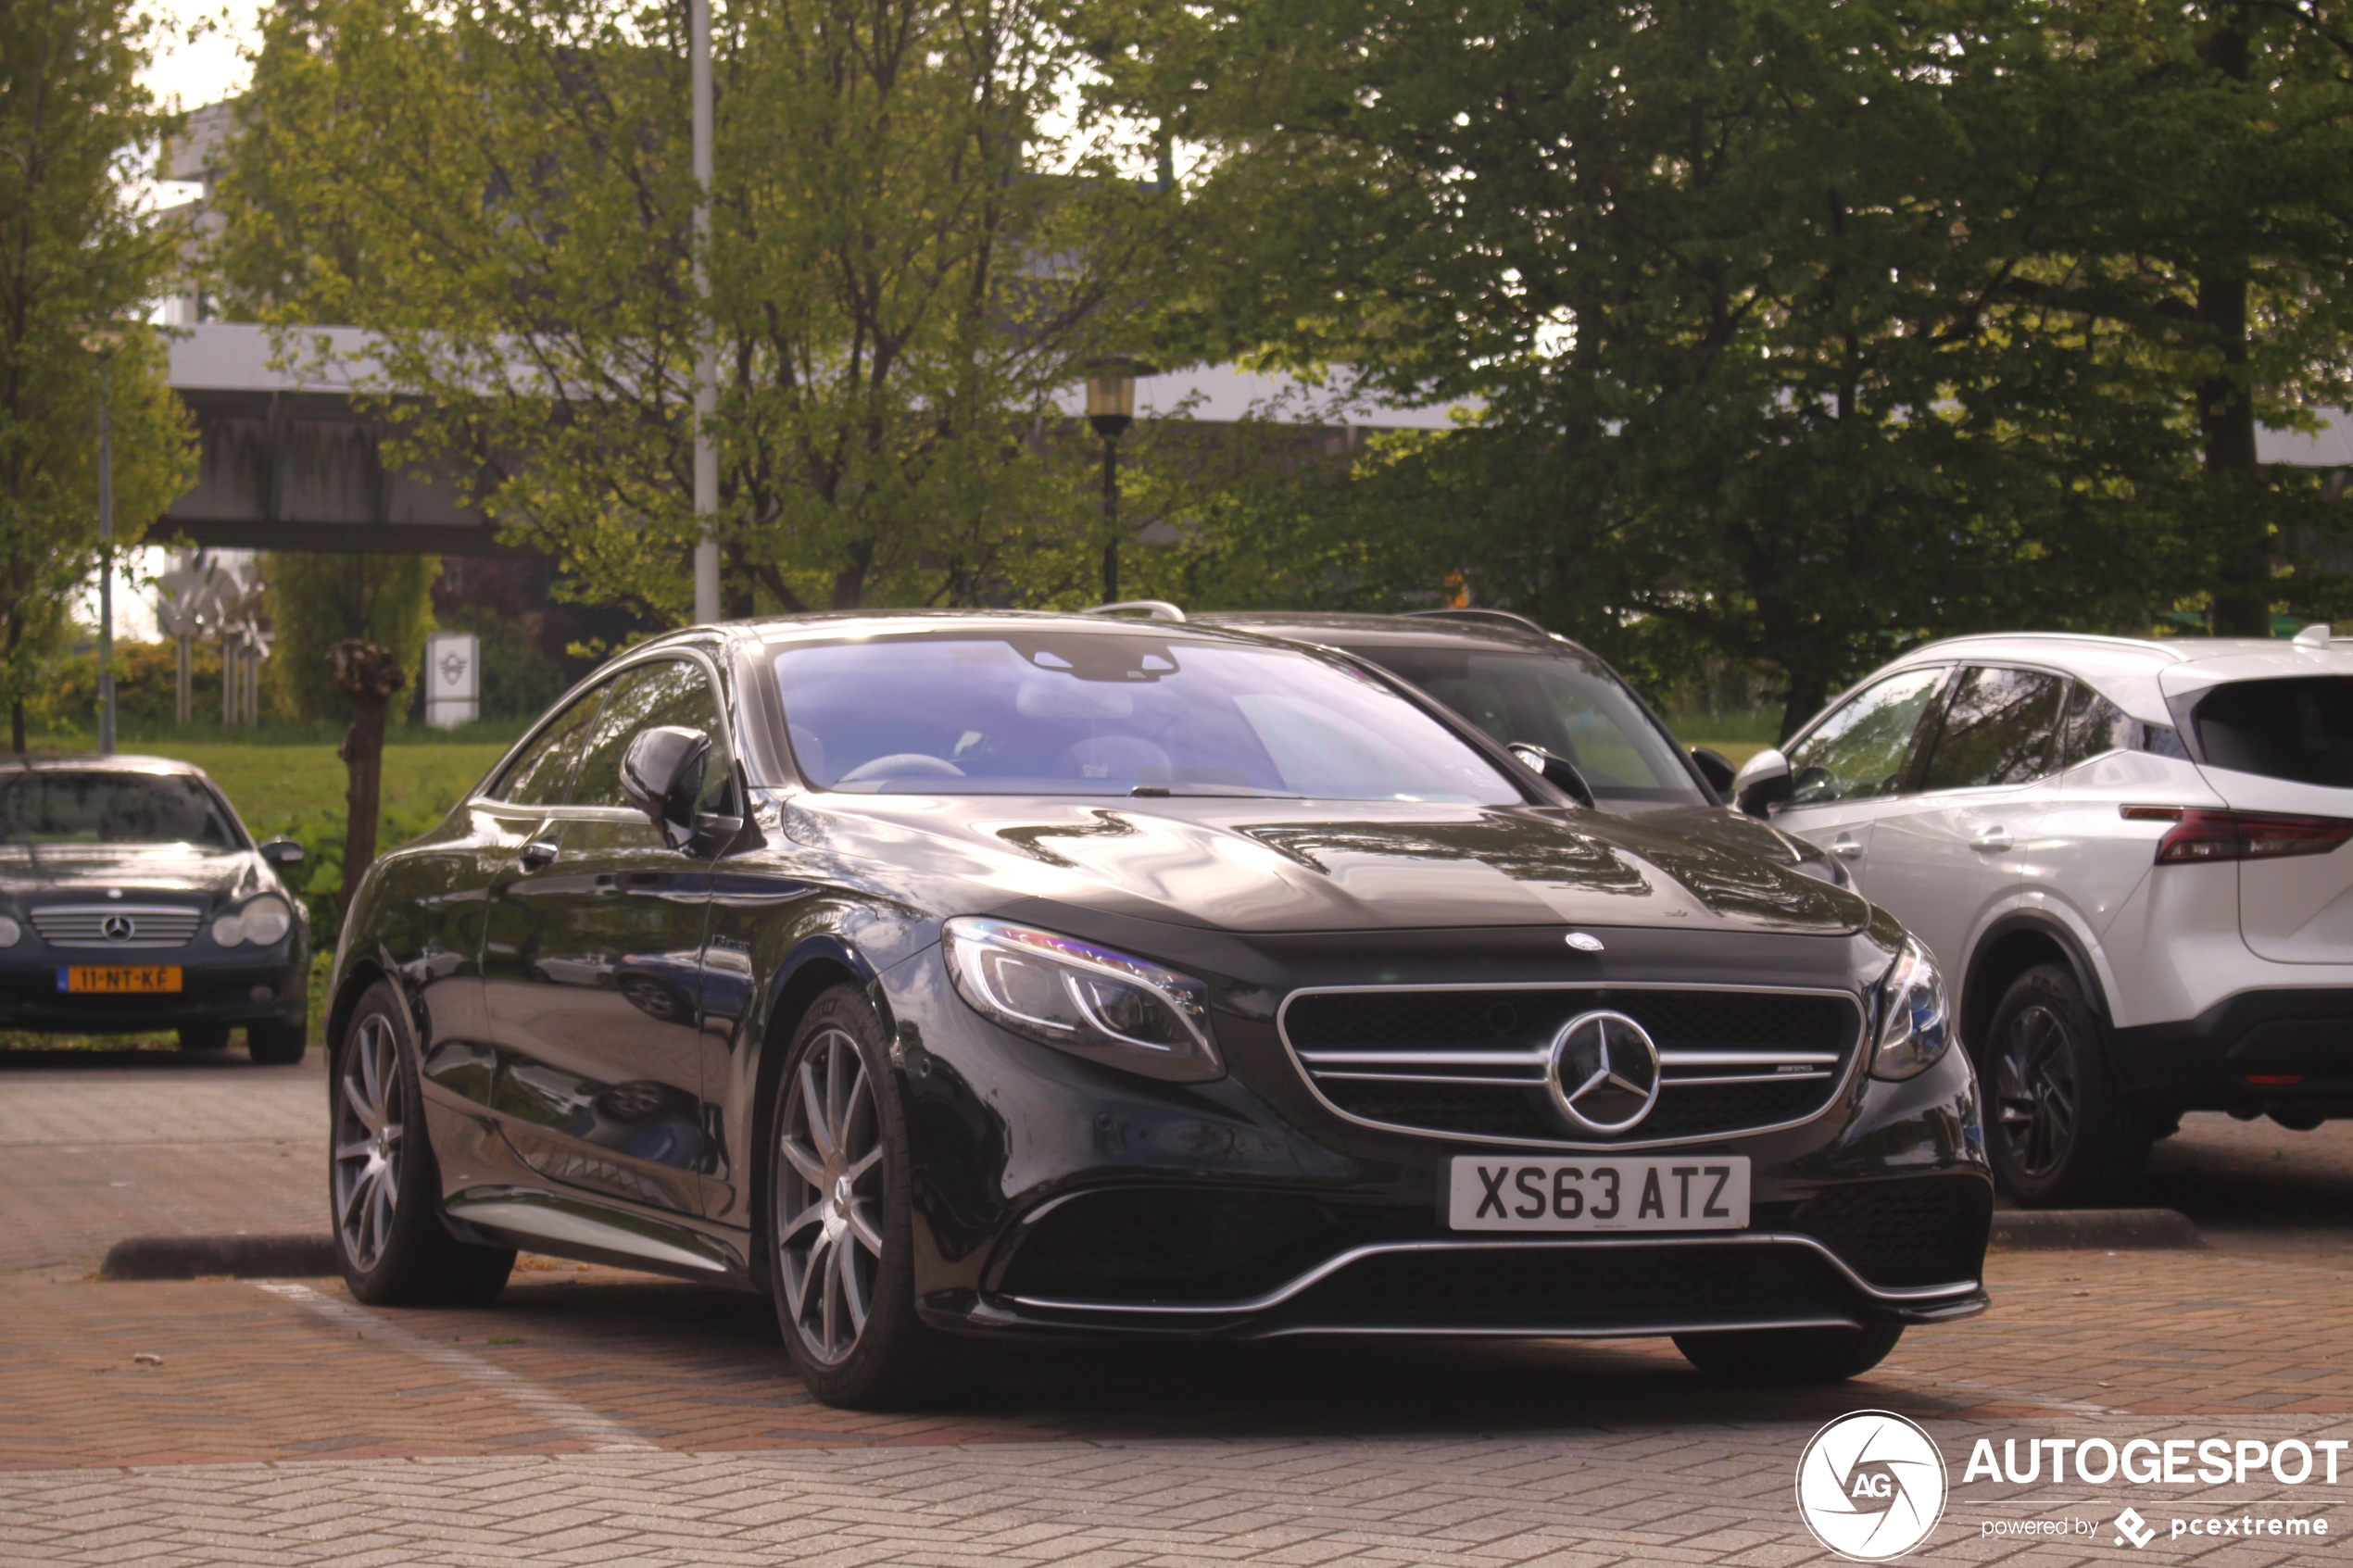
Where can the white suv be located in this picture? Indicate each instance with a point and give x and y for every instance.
(2126, 856)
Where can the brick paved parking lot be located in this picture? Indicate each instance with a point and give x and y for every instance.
(598, 1416)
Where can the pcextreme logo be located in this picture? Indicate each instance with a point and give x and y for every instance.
(1871, 1486)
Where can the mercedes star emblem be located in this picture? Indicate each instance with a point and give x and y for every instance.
(1604, 1071)
(1584, 941)
(117, 928)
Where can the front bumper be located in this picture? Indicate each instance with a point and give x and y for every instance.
(1055, 1197)
(261, 989)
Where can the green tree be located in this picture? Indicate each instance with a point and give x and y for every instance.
(1801, 331)
(316, 601)
(501, 193)
(78, 267)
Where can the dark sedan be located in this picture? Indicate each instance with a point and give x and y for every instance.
(968, 975)
(132, 899)
(1590, 735)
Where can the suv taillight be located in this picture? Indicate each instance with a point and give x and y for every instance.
(2200, 834)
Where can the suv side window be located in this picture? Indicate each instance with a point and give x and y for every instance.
(542, 775)
(1858, 751)
(2000, 728)
(674, 691)
(2094, 727)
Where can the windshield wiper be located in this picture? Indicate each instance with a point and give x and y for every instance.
(1210, 792)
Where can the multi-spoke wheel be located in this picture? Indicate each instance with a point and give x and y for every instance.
(841, 1229)
(381, 1180)
(372, 1112)
(830, 1178)
(2055, 1126)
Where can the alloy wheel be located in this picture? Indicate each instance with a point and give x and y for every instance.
(371, 1119)
(829, 1191)
(2034, 1091)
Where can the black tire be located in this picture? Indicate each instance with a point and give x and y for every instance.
(389, 1236)
(1788, 1355)
(274, 1044)
(889, 1357)
(204, 1037)
(2058, 1134)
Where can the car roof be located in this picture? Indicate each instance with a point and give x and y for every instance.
(1403, 630)
(85, 762)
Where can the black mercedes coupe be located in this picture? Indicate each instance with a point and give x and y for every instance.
(132, 899)
(958, 976)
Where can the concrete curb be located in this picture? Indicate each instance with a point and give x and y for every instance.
(2119, 1230)
(242, 1257)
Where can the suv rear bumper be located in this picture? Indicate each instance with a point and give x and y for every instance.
(2259, 1048)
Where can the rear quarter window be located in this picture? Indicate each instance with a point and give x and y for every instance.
(2299, 728)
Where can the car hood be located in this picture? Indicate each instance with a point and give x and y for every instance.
(59, 868)
(1733, 829)
(1257, 865)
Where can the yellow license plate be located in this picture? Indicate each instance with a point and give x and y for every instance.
(120, 978)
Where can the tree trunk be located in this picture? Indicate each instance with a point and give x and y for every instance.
(1808, 688)
(2226, 420)
(367, 676)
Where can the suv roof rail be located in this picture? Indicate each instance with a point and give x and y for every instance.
(1504, 616)
(1156, 609)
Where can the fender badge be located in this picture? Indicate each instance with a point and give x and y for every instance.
(1584, 942)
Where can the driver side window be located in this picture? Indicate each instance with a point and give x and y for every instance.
(1859, 751)
(669, 692)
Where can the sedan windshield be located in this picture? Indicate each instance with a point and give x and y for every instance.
(1057, 712)
(47, 807)
(1569, 707)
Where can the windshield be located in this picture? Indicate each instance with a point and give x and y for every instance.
(1569, 707)
(1055, 713)
(2299, 728)
(111, 807)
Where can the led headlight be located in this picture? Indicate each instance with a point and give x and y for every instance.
(1914, 1030)
(1090, 1001)
(261, 922)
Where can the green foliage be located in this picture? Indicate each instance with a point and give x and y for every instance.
(1800, 332)
(317, 601)
(78, 267)
(501, 193)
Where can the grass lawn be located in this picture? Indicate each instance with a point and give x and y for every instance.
(273, 786)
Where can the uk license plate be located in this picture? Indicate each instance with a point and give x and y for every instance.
(1692, 1192)
(119, 979)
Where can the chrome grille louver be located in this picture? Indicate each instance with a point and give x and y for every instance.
(1472, 1060)
(133, 927)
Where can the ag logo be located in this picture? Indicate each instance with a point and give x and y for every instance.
(1871, 1486)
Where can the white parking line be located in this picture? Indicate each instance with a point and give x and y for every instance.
(603, 1435)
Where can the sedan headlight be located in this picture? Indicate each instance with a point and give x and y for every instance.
(10, 932)
(1914, 1030)
(1087, 1000)
(261, 922)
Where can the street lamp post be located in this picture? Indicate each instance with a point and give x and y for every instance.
(105, 558)
(1110, 409)
(705, 348)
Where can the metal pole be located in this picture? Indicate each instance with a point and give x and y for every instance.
(1111, 520)
(707, 348)
(106, 560)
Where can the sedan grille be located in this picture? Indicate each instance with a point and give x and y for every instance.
(1476, 1062)
(116, 926)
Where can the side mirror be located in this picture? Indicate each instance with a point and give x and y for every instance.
(661, 775)
(280, 852)
(1763, 783)
(1716, 768)
(1558, 772)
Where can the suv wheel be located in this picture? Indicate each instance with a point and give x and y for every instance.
(1788, 1355)
(841, 1224)
(2057, 1132)
(381, 1180)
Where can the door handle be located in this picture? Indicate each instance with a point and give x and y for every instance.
(1993, 841)
(1845, 848)
(535, 854)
